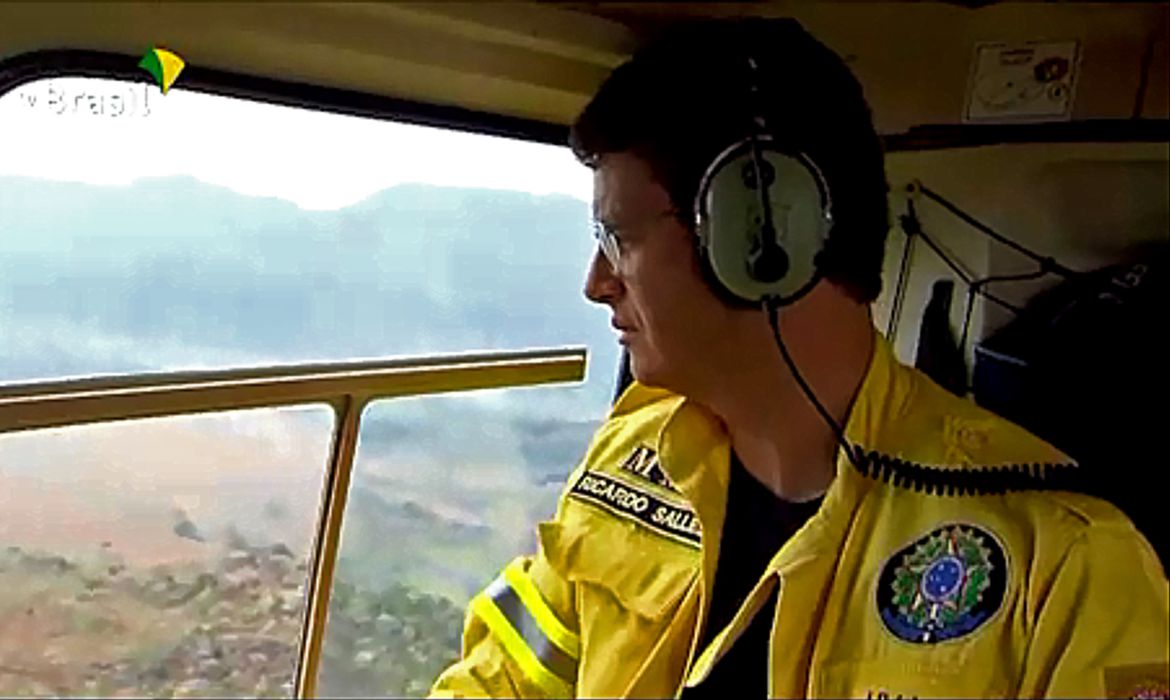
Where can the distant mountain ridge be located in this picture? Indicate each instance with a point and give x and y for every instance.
(411, 269)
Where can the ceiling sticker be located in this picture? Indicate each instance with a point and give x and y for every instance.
(1020, 82)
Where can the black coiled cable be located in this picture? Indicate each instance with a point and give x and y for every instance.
(973, 481)
(934, 480)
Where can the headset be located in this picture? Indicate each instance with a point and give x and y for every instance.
(763, 213)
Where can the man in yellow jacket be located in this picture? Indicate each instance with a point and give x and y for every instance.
(830, 525)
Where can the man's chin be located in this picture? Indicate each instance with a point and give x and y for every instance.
(649, 373)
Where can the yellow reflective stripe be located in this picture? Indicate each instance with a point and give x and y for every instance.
(549, 623)
(513, 643)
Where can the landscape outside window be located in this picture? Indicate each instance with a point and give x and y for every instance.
(141, 232)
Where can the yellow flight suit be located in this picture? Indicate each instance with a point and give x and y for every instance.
(979, 575)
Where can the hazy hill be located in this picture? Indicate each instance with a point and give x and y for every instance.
(412, 269)
(173, 273)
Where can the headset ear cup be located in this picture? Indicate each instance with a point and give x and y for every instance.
(746, 262)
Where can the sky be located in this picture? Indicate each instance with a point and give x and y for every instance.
(108, 132)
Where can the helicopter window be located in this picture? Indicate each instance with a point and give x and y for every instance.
(158, 556)
(445, 491)
(142, 232)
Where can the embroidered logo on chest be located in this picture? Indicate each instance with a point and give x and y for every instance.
(643, 462)
(943, 585)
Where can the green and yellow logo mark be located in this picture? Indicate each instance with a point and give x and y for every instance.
(164, 66)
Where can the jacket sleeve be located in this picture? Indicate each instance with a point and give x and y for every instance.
(1101, 631)
(520, 637)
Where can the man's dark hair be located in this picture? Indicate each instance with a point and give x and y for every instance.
(683, 98)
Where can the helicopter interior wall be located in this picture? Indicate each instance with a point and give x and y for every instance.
(1087, 205)
(542, 61)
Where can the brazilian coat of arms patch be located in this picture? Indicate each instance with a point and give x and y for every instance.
(943, 585)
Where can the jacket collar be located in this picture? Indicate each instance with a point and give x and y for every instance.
(695, 451)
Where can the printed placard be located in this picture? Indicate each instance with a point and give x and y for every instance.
(1021, 82)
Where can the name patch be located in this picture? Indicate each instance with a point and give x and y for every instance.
(643, 462)
(676, 522)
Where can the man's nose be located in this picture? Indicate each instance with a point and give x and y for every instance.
(602, 286)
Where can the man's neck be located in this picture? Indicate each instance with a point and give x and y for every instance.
(776, 432)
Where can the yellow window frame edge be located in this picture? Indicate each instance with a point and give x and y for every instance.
(345, 386)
